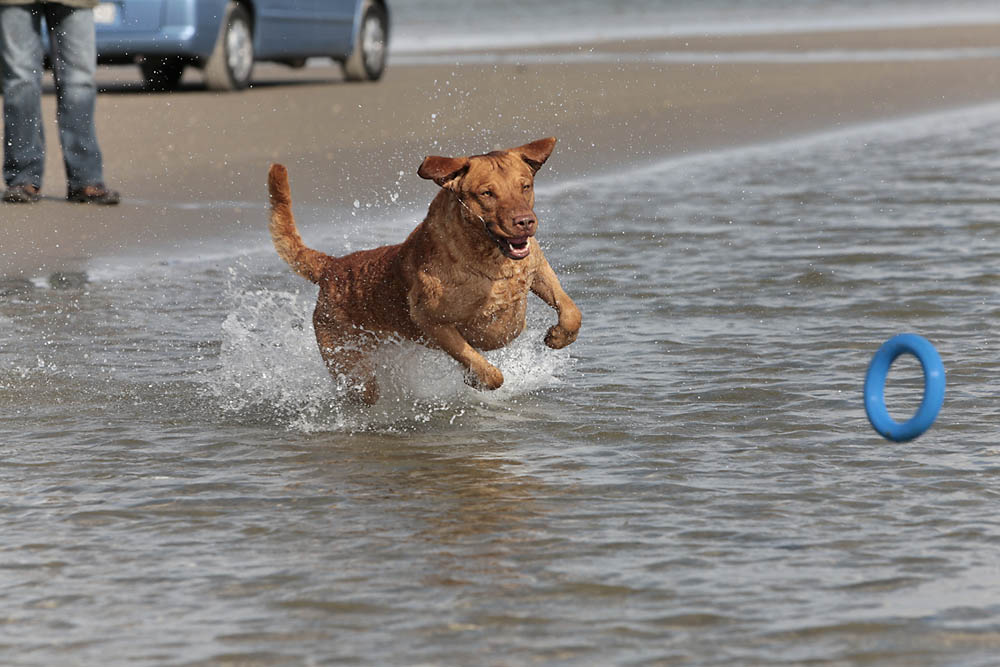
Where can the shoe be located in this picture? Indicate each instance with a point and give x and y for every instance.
(94, 194)
(22, 194)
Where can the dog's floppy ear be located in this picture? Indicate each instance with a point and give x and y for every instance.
(536, 153)
(442, 169)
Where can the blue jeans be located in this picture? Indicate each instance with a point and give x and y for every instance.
(74, 64)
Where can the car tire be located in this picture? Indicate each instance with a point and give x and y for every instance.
(162, 74)
(230, 65)
(367, 60)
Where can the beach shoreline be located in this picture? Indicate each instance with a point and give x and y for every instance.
(191, 165)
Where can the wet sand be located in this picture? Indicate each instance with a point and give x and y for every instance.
(191, 164)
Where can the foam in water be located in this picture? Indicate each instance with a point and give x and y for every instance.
(270, 370)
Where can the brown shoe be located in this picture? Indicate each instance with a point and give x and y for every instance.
(22, 194)
(94, 194)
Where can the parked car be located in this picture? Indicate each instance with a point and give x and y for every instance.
(224, 38)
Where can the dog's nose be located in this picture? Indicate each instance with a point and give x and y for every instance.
(524, 222)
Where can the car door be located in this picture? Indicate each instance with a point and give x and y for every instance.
(333, 22)
(303, 27)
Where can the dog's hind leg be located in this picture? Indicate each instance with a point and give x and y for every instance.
(347, 352)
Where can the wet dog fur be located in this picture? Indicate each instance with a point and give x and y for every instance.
(459, 282)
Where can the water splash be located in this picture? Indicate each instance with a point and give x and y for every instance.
(270, 371)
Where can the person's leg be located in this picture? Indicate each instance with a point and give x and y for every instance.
(71, 32)
(21, 55)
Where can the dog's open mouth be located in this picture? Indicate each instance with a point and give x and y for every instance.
(514, 248)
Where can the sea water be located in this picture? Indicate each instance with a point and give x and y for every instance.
(434, 25)
(693, 481)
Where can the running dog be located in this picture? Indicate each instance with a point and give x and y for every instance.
(459, 282)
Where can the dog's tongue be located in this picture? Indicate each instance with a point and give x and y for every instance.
(519, 248)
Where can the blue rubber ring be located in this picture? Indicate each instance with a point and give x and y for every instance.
(934, 383)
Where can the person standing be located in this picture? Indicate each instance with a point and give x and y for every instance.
(74, 64)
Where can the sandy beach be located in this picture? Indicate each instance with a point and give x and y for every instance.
(191, 164)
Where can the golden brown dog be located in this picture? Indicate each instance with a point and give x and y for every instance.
(460, 281)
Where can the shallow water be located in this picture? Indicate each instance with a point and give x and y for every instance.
(686, 57)
(694, 481)
(476, 24)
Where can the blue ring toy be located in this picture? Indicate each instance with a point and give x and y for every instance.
(934, 382)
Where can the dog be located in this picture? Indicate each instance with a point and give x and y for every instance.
(459, 282)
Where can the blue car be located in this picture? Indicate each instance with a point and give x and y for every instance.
(224, 38)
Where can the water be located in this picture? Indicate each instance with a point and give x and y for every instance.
(431, 25)
(692, 482)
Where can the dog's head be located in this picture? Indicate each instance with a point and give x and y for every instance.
(495, 190)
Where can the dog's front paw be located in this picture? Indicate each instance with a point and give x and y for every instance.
(485, 377)
(558, 337)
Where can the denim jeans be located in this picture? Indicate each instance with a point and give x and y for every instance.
(74, 64)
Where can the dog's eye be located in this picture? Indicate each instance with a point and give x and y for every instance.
(526, 187)
(487, 193)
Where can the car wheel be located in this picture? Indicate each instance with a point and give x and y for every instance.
(231, 63)
(162, 74)
(367, 60)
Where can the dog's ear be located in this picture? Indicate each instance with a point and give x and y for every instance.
(536, 153)
(442, 169)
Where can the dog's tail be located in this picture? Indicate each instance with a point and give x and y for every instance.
(306, 262)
